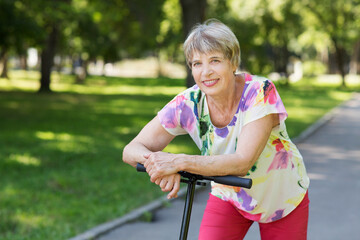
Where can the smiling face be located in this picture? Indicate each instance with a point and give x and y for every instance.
(213, 73)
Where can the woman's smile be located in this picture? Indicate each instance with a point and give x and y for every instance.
(210, 82)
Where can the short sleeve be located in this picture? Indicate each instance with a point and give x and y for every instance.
(260, 99)
(177, 117)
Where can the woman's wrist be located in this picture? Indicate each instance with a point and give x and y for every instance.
(179, 162)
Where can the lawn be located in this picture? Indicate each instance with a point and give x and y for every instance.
(60, 154)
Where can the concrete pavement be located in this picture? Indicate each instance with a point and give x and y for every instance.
(332, 156)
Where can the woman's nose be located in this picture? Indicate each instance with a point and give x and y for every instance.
(207, 70)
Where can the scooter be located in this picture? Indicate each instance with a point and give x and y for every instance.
(192, 180)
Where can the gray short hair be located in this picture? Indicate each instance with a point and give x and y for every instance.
(212, 36)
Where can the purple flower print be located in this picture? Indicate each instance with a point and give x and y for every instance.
(233, 121)
(246, 200)
(168, 117)
(277, 215)
(248, 100)
(222, 132)
(186, 117)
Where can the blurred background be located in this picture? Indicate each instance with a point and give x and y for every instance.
(80, 78)
(85, 37)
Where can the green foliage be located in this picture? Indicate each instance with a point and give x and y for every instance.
(269, 31)
(17, 29)
(313, 68)
(266, 31)
(339, 19)
(170, 36)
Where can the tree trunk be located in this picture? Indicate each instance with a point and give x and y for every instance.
(354, 62)
(193, 12)
(47, 60)
(23, 62)
(281, 61)
(339, 52)
(82, 72)
(4, 60)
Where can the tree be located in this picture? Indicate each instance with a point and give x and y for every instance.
(193, 12)
(17, 31)
(266, 31)
(50, 17)
(355, 59)
(56, 13)
(114, 29)
(280, 25)
(339, 19)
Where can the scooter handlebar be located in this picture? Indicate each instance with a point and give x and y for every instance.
(140, 168)
(227, 180)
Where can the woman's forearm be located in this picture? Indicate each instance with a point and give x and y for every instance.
(153, 137)
(160, 164)
(134, 152)
(217, 165)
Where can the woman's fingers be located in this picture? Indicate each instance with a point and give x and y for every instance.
(170, 183)
(175, 188)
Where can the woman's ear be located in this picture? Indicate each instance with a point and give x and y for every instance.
(234, 70)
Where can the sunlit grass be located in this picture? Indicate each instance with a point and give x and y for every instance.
(352, 81)
(60, 154)
(24, 159)
(29, 81)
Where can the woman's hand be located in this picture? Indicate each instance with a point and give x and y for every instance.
(170, 183)
(160, 164)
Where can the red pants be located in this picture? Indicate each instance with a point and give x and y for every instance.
(222, 221)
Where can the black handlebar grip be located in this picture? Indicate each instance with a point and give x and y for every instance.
(232, 181)
(227, 180)
(140, 168)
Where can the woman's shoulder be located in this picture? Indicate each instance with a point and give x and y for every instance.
(258, 84)
(256, 79)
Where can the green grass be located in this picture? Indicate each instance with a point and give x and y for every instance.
(60, 154)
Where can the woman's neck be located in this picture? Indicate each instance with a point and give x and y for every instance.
(222, 108)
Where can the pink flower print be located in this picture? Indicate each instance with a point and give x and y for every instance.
(278, 144)
(281, 144)
(178, 100)
(280, 160)
(248, 77)
(269, 92)
(253, 217)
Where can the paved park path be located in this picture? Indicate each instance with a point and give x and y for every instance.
(332, 157)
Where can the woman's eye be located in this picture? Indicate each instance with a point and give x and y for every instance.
(196, 64)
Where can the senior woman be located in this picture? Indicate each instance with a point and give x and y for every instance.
(238, 123)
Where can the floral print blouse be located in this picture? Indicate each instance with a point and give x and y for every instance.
(279, 176)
